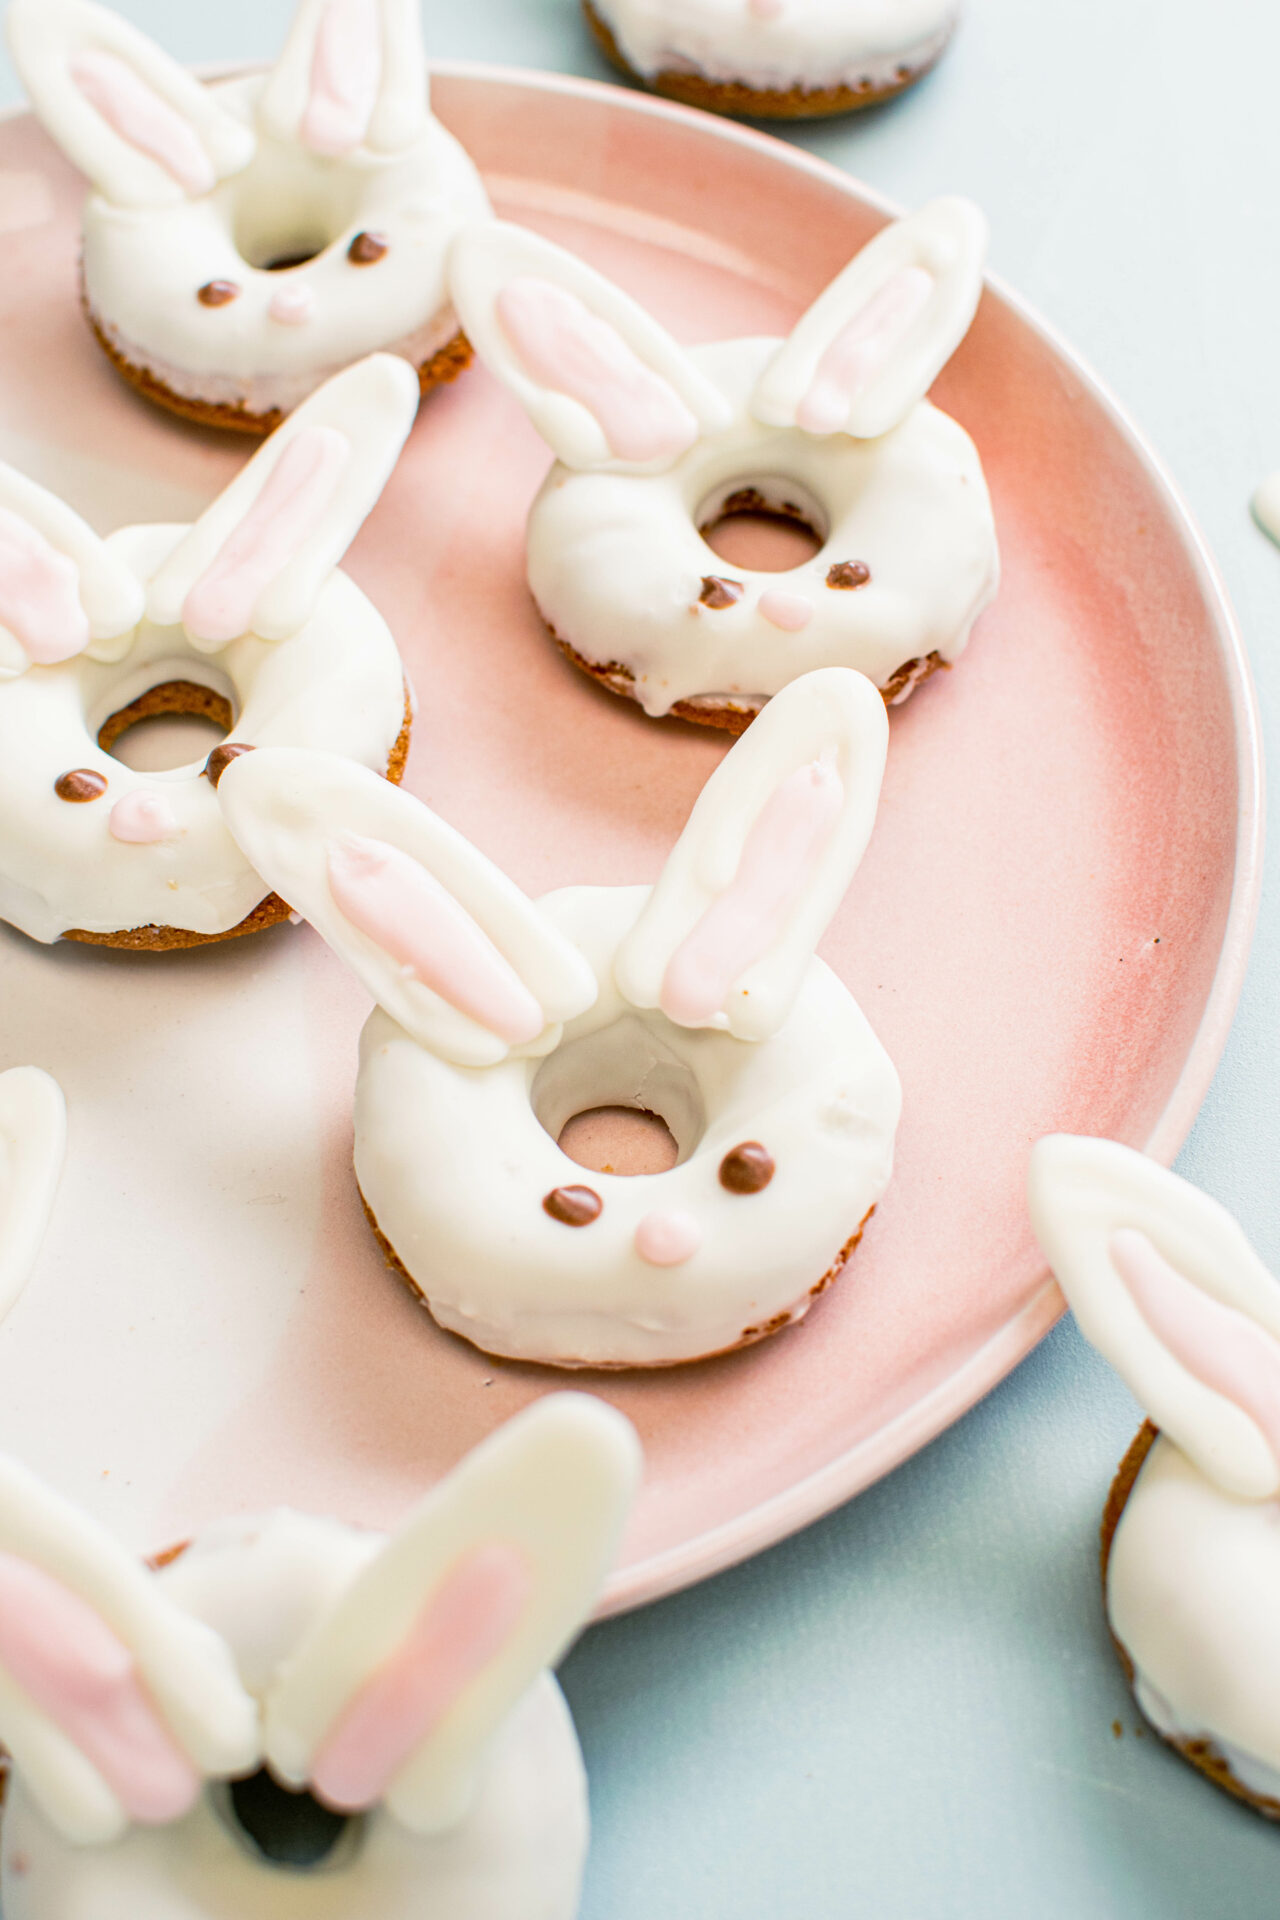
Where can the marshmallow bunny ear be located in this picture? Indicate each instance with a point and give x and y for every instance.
(114, 1705)
(258, 559)
(771, 846)
(604, 384)
(450, 947)
(397, 1690)
(62, 590)
(142, 128)
(1164, 1283)
(353, 73)
(873, 344)
(33, 1144)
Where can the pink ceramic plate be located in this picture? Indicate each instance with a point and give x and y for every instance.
(1049, 931)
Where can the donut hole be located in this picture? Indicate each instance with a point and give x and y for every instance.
(764, 525)
(298, 219)
(286, 1828)
(620, 1100)
(175, 724)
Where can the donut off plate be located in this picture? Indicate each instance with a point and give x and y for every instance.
(1048, 932)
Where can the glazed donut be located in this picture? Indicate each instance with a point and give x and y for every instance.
(295, 1719)
(700, 999)
(1166, 1286)
(774, 59)
(245, 240)
(243, 617)
(655, 444)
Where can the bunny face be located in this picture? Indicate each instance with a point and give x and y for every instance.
(1165, 1285)
(305, 1720)
(245, 609)
(700, 998)
(247, 238)
(656, 444)
(777, 45)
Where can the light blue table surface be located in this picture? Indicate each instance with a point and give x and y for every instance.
(908, 1710)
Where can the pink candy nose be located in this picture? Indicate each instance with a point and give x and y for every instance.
(667, 1239)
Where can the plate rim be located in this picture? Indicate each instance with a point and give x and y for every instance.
(820, 1493)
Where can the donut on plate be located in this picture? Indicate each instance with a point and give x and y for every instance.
(774, 59)
(243, 617)
(291, 1716)
(1166, 1286)
(699, 999)
(656, 444)
(246, 239)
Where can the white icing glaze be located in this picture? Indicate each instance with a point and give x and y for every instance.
(108, 596)
(778, 45)
(321, 671)
(1165, 1284)
(267, 1628)
(456, 1163)
(149, 246)
(33, 1138)
(617, 562)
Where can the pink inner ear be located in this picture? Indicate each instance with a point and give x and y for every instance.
(39, 594)
(1218, 1345)
(346, 69)
(289, 509)
(861, 352)
(404, 910)
(138, 114)
(566, 347)
(462, 1628)
(72, 1667)
(778, 857)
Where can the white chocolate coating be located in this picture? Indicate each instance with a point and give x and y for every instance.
(283, 333)
(1166, 1285)
(808, 44)
(700, 998)
(829, 427)
(265, 1623)
(455, 1165)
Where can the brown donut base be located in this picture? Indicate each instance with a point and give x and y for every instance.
(1201, 1754)
(731, 97)
(186, 696)
(749, 1336)
(444, 365)
(724, 714)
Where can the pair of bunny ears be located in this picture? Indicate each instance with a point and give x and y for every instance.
(610, 391)
(256, 561)
(148, 134)
(117, 1706)
(1166, 1286)
(475, 971)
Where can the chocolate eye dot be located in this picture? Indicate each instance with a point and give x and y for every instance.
(573, 1206)
(747, 1168)
(717, 593)
(81, 784)
(218, 293)
(220, 759)
(847, 574)
(367, 249)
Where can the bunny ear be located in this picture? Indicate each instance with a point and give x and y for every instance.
(604, 384)
(399, 1687)
(259, 558)
(62, 589)
(450, 947)
(33, 1144)
(1164, 1283)
(772, 843)
(353, 73)
(114, 1704)
(143, 129)
(873, 344)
